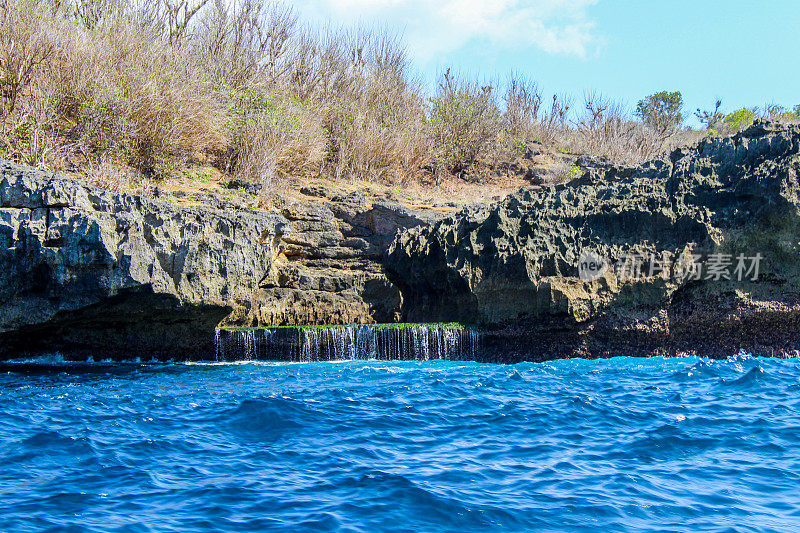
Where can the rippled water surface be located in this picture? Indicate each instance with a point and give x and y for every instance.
(614, 445)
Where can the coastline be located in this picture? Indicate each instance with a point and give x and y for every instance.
(87, 269)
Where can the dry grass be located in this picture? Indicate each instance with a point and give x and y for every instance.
(370, 109)
(112, 90)
(153, 86)
(464, 122)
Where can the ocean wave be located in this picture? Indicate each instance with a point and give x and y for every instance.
(623, 444)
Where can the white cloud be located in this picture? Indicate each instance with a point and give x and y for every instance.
(434, 29)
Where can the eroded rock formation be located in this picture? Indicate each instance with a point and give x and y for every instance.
(329, 267)
(84, 270)
(513, 267)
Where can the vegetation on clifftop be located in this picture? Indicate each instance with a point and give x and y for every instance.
(127, 92)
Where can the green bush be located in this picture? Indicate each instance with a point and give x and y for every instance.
(740, 119)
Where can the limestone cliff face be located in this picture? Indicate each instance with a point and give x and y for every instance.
(85, 271)
(329, 266)
(513, 267)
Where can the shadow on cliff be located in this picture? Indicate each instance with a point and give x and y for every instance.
(136, 323)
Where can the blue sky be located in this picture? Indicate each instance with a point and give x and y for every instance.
(745, 52)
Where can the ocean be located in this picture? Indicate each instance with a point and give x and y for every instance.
(623, 444)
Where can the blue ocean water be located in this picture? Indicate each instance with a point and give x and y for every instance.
(609, 445)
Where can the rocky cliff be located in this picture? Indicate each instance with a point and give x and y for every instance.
(694, 252)
(88, 272)
(329, 266)
(662, 246)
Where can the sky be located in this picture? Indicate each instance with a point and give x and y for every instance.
(745, 52)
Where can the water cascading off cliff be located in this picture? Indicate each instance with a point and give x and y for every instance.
(333, 343)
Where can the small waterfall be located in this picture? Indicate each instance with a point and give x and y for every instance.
(332, 343)
(242, 345)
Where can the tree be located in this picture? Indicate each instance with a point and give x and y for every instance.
(661, 111)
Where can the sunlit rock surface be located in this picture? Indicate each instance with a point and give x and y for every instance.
(88, 272)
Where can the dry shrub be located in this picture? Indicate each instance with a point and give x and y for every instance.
(244, 46)
(245, 43)
(26, 47)
(346, 94)
(778, 113)
(371, 111)
(145, 101)
(274, 138)
(108, 174)
(465, 121)
(152, 84)
(107, 87)
(527, 117)
(604, 130)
